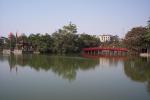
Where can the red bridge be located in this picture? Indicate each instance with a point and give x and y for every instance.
(99, 48)
(105, 51)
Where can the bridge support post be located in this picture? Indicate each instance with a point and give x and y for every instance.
(98, 52)
(90, 52)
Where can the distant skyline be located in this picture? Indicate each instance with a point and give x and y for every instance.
(94, 17)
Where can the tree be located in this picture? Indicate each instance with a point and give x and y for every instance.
(45, 43)
(22, 38)
(65, 39)
(35, 40)
(86, 40)
(135, 39)
(71, 28)
(147, 36)
(1, 43)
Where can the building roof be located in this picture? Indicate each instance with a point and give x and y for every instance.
(105, 35)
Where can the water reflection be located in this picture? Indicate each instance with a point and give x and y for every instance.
(109, 61)
(66, 67)
(138, 69)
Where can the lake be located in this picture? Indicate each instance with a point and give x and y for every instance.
(46, 77)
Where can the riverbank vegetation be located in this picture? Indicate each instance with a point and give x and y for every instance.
(64, 41)
(67, 40)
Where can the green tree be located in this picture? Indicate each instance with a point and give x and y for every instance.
(1, 43)
(65, 39)
(86, 40)
(45, 43)
(22, 38)
(147, 36)
(115, 41)
(35, 40)
(65, 67)
(135, 39)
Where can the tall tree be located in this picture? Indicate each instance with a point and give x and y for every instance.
(147, 36)
(45, 43)
(1, 43)
(35, 40)
(86, 40)
(65, 39)
(135, 39)
(23, 38)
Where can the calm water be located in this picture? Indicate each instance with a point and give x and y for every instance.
(41, 77)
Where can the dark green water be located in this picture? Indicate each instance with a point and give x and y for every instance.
(41, 77)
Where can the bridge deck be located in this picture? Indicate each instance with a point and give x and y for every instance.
(101, 48)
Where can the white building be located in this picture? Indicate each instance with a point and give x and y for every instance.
(104, 38)
(3, 39)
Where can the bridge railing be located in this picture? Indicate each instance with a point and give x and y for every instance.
(101, 48)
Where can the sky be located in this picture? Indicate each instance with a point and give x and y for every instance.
(94, 17)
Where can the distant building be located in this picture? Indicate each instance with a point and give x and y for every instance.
(105, 38)
(2, 43)
(3, 40)
(23, 47)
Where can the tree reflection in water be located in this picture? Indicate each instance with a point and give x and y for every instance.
(138, 69)
(64, 66)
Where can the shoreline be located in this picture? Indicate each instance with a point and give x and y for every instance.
(144, 54)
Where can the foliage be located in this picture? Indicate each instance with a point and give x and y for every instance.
(147, 36)
(22, 38)
(65, 40)
(45, 43)
(86, 40)
(63, 66)
(138, 39)
(1, 42)
(135, 39)
(34, 39)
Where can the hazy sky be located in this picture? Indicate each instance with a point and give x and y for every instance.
(91, 16)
